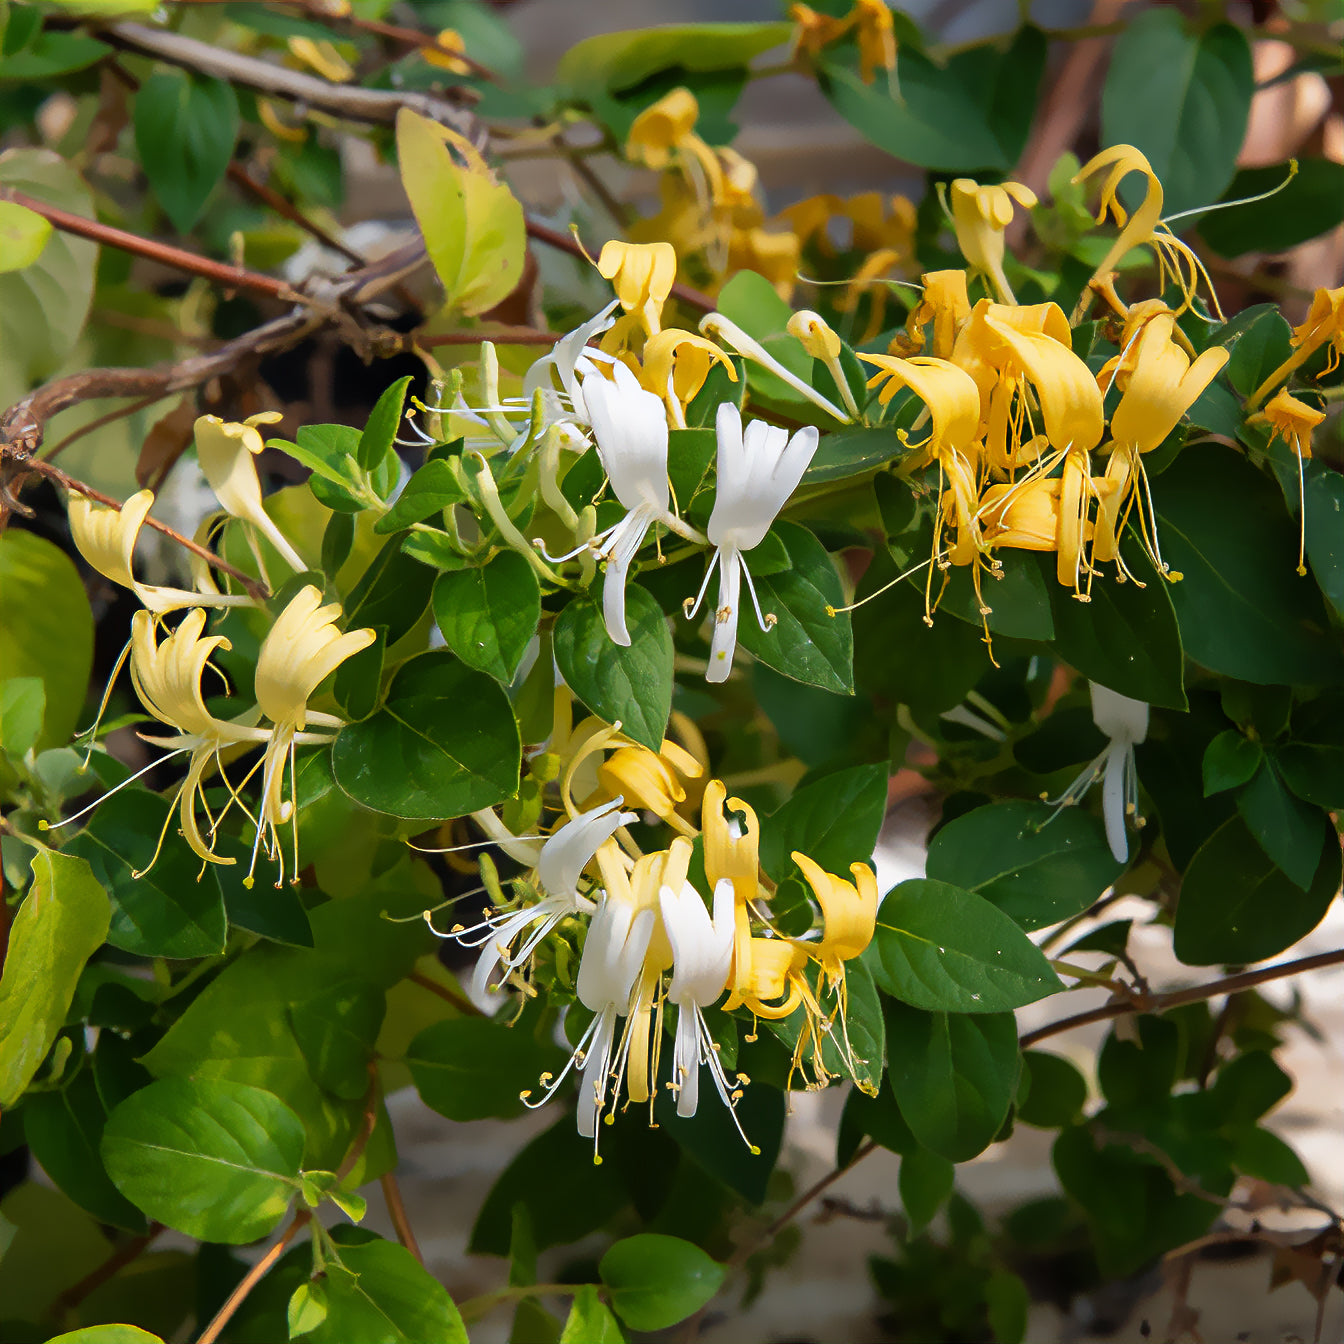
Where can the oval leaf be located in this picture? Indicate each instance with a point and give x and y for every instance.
(656, 1281)
(445, 744)
(489, 615)
(216, 1160)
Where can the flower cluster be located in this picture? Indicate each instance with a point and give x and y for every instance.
(651, 937)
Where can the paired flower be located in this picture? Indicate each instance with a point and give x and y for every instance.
(1294, 422)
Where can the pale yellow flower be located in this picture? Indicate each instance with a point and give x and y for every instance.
(979, 216)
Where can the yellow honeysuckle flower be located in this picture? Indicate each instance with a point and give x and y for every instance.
(944, 302)
(642, 275)
(768, 971)
(322, 57)
(1294, 421)
(447, 51)
(731, 848)
(301, 649)
(225, 451)
(1143, 228)
(106, 538)
(1324, 322)
(815, 31)
(773, 255)
(1023, 515)
(663, 128)
(848, 911)
(979, 216)
(876, 34)
(821, 342)
(651, 780)
(676, 364)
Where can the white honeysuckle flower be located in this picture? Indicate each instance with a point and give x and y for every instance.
(1125, 723)
(702, 950)
(570, 360)
(758, 469)
(630, 427)
(559, 866)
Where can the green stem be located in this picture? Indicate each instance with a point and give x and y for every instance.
(476, 1307)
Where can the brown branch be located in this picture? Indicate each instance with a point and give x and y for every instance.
(130, 1250)
(232, 277)
(271, 198)
(1159, 1003)
(54, 473)
(119, 414)
(554, 238)
(254, 1276)
(396, 1210)
(347, 101)
(462, 1004)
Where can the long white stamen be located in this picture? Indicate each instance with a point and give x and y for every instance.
(56, 826)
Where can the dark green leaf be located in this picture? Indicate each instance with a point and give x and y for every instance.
(1141, 1071)
(1057, 1094)
(337, 538)
(834, 820)
(359, 679)
(631, 685)
(1126, 637)
(1262, 346)
(1290, 831)
(1262, 1154)
(336, 1031)
(1008, 1304)
(1306, 207)
(394, 592)
(1230, 760)
(925, 1181)
(381, 1294)
(470, 1068)
(1018, 599)
(185, 129)
(1243, 610)
(166, 911)
(432, 489)
(425, 754)
(51, 55)
(656, 1281)
(488, 616)
(941, 948)
(1181, 96)
(1246, 1087)
(954, 1076)
(1315, 773)
(375, 443)
(851, 452)
(1236, 906)
(689, 455)
(1325, 531)
(216, 1160)
(60, 924)
(1037, 873)
(805, 643)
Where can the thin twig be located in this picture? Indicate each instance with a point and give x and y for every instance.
(460, 1002)
(254, 1276)
(1159, 1003)
(232, 277)
(396, 1210)
(288, 210)
(128, 1252)
(368, 1123)
(67, 482)
(119, 414)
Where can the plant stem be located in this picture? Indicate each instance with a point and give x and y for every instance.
(130, 1250)
(254, 1276)
(461, 1003)
(396, 1210)
(476, 1307)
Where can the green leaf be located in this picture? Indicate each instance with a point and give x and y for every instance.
(835, 820)
(394, 592)
(375, 443)
(590, 1320)
(23, 705)
(925, 1180)
(185, 129)
(878, 1117)
(23, 235)
(1126, 637)
(852, 452)
(621, 60)
(170, 911)
(1182, 97)
(53, 54)
(1290, 831)
(1243, 610)
(1315, 773)
(106, 1334)
(380, 1294)
(1057, 1094)
(1230, 760)
(470, 1068)
(430, 490)
(954, 1076)
(64, 1129)
(61, 923)
(941, 948)
(46, 626)
(1019, 599)
(1325, 531)
(969, 114)
(1237, 906)
(1008, 1304)
(43, 306)
(1037, 873)
(1307, 207)
(805, 643)
(1262, 346)
(656, 1281)
(632, 686)
(307, 1308)
(421, 756)
(488, 616)
(216, 1160)
(336, 1030)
